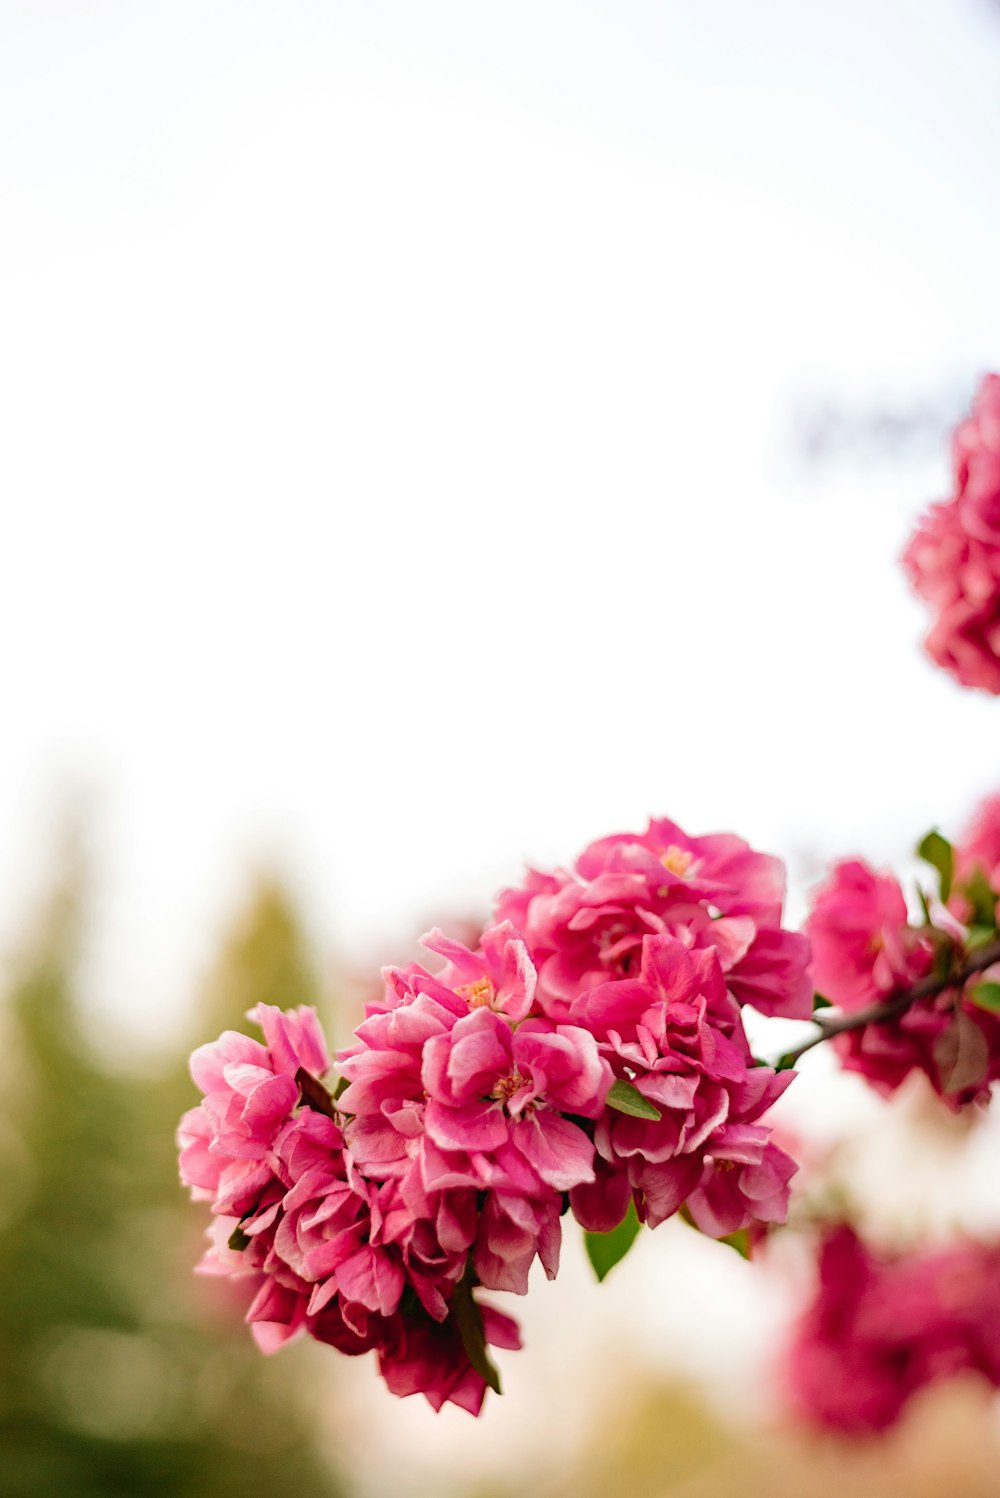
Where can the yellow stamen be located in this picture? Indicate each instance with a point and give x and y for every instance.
(479, 994)
(507, 1086)
(677, 860)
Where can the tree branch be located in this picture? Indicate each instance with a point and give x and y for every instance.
(896, 1003)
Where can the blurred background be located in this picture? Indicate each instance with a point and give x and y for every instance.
(434, 436)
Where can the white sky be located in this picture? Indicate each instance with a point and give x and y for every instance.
(395, 472)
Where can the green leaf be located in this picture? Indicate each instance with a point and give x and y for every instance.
(740, 1240)
(979, 936)
(628, 1099)
(786, 1062)
(605, 1250)
(469, 1321)
(819, 1002)
(982, 898)
(937, 851)
(342, 1086)
(924, 907)
(238, 1239)
(985, 996)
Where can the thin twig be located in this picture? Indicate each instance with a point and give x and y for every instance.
(897, 1003)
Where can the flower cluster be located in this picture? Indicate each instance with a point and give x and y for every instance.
(589, 1055)
(953, 558)
(866, 952)
(880, 1328)
(587, 925)
(324, 1248)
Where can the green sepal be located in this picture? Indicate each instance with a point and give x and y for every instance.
(740, 1241)
(938, 852)
(819, 1002)
(628, 1099)
(605, 1250)
(985, 996)
(979, 936)
(238, 1239)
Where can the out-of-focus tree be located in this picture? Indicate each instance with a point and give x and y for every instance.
(120, 1372)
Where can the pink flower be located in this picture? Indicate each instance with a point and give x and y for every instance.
(454, 1091)
(674, 1032)
(499, 975)
(513, 1229)
(496, 1099)
(865, 950)
(250, 1093)
(329, 1234)
(423, 1356)
(978, 849)
(881, 1328)
(586, 925)
(863, 947)
(953, 1042)
(418, 1354)
(953, 558)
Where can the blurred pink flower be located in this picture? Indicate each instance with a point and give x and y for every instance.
(863, 947)
(865, 950)
(953, 557)
(881, 1328)
(978, 848)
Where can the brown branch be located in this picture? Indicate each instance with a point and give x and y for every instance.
(312, 1094)
(896, 1004)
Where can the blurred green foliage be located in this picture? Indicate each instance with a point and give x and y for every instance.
(120, 1371)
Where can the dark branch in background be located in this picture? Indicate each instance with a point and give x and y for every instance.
(896, 1004)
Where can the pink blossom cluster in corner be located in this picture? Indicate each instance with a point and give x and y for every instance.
(865, 949)
(480, 1102)
(953, 557)
(880, 1328)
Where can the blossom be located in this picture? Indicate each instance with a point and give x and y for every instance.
(456, 1090)
(423, 1356)
(953, 557)
(497, 1099)
(250, 1090)
(978, 849)
(586, 925)
(863, 947)
(865, 950)
(329, 1253)
(674, 1033)
(472, 1112)
(879, 1328)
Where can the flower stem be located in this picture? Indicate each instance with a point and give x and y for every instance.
(897, 1003)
